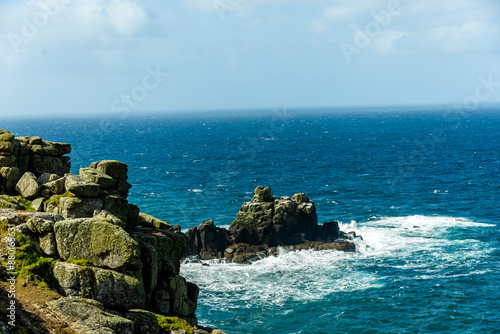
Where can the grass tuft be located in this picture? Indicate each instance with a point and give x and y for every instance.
(56, 199)
(31, 262)
(169, 324)
(81, 262)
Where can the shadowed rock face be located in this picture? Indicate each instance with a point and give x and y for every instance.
(207, 240)
(275, 221)
(112, 289)
(262, 225)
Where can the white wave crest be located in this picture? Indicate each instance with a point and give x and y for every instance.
(425, 245)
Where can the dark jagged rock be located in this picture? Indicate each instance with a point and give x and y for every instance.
(208, 240)
(271, 221)
(328, 232)
(245, 253)
(262, 225)
(9, 177)
(144, 321)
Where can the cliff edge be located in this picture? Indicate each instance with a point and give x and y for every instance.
(109, 267)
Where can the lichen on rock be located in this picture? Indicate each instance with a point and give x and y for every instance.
(99, 241)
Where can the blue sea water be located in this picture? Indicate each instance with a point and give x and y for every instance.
(420, 184)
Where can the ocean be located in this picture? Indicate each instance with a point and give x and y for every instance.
(420, 184)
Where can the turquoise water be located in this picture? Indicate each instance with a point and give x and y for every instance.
(421, 185)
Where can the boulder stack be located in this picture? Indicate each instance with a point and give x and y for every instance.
(30, 154)
(121, 269)
(262, 225)
(108, 252)
(102, 187)
(271, 221)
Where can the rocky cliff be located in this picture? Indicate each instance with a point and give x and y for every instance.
(22, 154)
(115, 269)
(101, 253)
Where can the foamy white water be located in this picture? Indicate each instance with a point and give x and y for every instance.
(391, 246)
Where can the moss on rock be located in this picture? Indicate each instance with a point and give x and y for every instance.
(169, 324)
(100, 242)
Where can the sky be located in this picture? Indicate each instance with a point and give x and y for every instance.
(82, 57)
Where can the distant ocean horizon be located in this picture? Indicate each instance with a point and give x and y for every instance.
(420, 184)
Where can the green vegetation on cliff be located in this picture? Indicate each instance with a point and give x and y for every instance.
(31, 263)
(56, 199)
(15, 202)
(169, 324)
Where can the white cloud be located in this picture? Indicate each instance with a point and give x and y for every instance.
(344, 10)
(204, 6)
(127, 17)
(385, 43)
(423, 26)
(319, 26)
(121, 16)
(469, 37)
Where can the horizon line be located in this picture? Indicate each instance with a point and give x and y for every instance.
(180, 112)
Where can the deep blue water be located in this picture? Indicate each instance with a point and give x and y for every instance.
(422, 185)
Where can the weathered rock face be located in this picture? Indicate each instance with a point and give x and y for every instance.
(271, 221)
(99, 241)
(87, 316)
(47, 177)
(43, 229)
(75, 196)
(10, 202)
(28, 186)
(146, 220)
(6, 143)
(208, 240)
(29, 154)
(144, 322)
(75, 207)
(112, 289)
(263, 224)
(81, 187)
(118, 172)
(102, 179)
(119, 288)
(124, 270)
(132, 260)
(37, 170)
(55, 187)
(9, 177)
(166, 291)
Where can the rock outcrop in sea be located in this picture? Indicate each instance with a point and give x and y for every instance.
(104, 254)
(262, 225)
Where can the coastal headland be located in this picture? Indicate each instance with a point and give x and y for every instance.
(77, 257)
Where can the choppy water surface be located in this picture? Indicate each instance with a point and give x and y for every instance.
(421, 186)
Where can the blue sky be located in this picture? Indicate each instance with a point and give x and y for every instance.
(95, 56)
